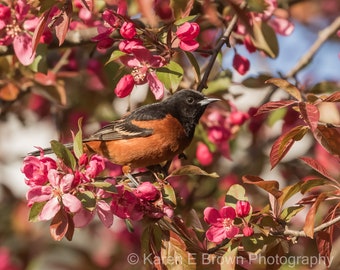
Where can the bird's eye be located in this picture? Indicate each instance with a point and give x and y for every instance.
(190, 100)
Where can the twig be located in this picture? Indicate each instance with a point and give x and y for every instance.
(224, 39)
(319, 228)
(323, 36)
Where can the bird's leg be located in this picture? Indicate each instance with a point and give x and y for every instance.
(127, 172)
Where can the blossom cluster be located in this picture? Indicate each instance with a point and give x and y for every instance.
(221, 127)
(223, 221)
(80, 194)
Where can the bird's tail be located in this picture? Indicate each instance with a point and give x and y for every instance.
(48, 150)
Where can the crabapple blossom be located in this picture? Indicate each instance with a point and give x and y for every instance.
(248, 231)
(222, 223)
(203, 154)
(241, 64)
(187, 33)
(128, 30)
(242, 208)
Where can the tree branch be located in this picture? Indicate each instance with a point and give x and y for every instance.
(319, 228)
(224, 39)
(323, 37)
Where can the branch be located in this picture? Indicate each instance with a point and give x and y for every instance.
(316, 229)
(323, 36)
(224, 39)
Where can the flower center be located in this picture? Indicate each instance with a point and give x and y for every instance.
(227, 223)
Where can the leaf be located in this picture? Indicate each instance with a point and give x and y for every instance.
(274, 105)
(181, 8)
(115, 55)
(40, 28)
(308, 228)
(228, 260)
(87, 4)
(88, 199)
(324, 242)
(288, 192)
(170, 75)
(169, 195)
(235, 193)
(288, 87)
(335, 97)
(195, 65)
(258, 6)
(62, 225)
(288, 213)
(62, 21)
(9, 92)
(40, 62)
(282, 145)
(35, 211)
(264, 38)
(329, 138)
(310, 114)
(256, 82)
(78, 141)
(186, 19)
(108, 187)
(270, 186)
(308, 185)
(318, 167)
(64, 154)
(192, 170)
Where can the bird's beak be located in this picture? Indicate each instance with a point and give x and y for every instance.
(206, 101)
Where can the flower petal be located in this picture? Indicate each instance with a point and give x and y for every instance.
(39, 194)
(71, 202)
(124, 86)
(22, 45)
(156, 87)
(211, 215)
(231, 232)
(104, 213)
(215, 234)
(50, 209)
(228, 212)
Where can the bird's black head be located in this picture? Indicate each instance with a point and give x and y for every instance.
(188, 106)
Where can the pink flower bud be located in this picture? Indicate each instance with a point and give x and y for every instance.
(238, 118)
(203, 155)
(147, 191)
(241, 64)
(248, 231)
(125, 86)
(242, 208)
(128, 30)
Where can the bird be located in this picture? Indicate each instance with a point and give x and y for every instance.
(151, 134)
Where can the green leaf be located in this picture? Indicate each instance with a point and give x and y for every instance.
(40, 62)
(258, 6)
(108, 187)
(288, 213)
(235, 193)
(78, 141)
(64, 154)
(288, 192)
(88, 199)
(286, 86)
(228, 260)
(195, 65)
(264, 38)
(186, 19)
(192, 170)
(219, 85)
(170, 75)
(309, 184)
(181, 8)
(169, 195)
(270, 186)
(115, 55)
(35, 211)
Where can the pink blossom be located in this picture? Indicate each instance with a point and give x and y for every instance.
(222, 223)
(163, 9)
(125, 86)
(57, 194)
(281, 26)
(249, 44)
(242, 208)
(248, 231)
(95, 166)
(17, 26)
(128, 30)
(147, 191)
(143, 65)
(203, 154)
(5, 260)
(187, 33)
(238, 118)
(241, 64)
(36, 169)
(127, 45)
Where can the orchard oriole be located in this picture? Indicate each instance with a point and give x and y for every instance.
(151, 134)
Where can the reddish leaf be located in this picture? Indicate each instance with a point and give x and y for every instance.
(324, 242)
(288, 87)
(39, 30)
(9, 92)
(61, 225)
(274, 105)
(87, 4)
(62, 21)
(318, 167)
(335, 97)
(310, 113)
(310, 217)
(282, 145)
(329, 138)
(270, 186)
